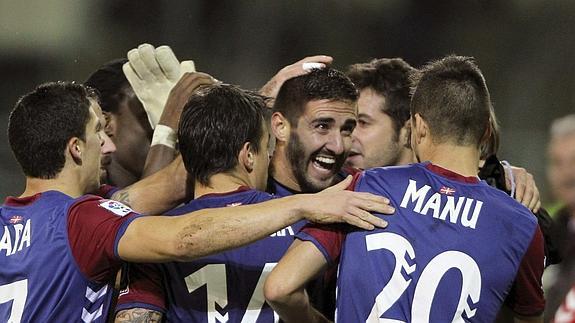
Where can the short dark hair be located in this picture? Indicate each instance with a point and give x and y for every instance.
(452, 97)
(110, 83)
(390, 78)
(319, 84)
(215, 123)
(43, 121)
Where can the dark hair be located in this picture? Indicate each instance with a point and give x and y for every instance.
(42, 123)
(390, 78)
(319, 84)
(452, 97)
(215, 123)
(491, 144)
(111, 84)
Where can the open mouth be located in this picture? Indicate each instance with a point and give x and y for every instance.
(325, 163)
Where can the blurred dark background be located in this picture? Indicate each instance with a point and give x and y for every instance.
(524, 47)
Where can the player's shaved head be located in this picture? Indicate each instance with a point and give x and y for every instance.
(452, 97)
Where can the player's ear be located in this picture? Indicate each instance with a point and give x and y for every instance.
(247, 157)
(280, 127)
(420, 127)
(404, 134)
(75, 147)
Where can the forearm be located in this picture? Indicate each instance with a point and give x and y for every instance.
(158, 158)
(207, 231)
(157, 193)
(296, 308)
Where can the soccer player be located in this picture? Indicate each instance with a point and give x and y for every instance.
(232, 171)
(127, 124)
(60, 249)
(141, 128)
(381, 135)
(456, 248)
(313, 117)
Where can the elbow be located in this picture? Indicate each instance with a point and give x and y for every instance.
(275, 291)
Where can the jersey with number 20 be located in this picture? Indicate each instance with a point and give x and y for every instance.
(451, 252)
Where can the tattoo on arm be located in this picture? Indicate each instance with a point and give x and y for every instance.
(138, 315)
(122, 196)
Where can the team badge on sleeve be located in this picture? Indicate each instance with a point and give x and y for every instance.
(116, 207)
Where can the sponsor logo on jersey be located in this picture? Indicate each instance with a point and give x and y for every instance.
(441, 205)
(116, 207)
(15, 238)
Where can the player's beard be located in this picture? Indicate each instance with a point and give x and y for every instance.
(296, 154)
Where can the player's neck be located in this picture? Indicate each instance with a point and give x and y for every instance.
(405, 157)
(281, 170)
(60, 183)
(220, 183)
(462, 160)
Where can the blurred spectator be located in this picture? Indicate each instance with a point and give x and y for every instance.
(561, 174)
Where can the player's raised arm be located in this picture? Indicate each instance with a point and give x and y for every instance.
(159, 238)
(301, 67)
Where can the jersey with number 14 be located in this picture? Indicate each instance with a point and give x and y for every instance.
(451, 252)
(225, 287)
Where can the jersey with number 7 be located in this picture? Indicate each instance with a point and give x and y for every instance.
(455, 251)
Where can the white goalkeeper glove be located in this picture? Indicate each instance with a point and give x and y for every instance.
(153, 72)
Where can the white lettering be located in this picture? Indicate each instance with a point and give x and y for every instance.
(451, 209)
(18, 228)
(442, 205)
(414, 195)
(6, 242)
(21, 238)
(470, 223)
(434, 203)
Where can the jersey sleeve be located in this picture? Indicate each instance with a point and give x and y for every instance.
(144, 290)
(328, 239)
(95, 227)
(106, 191)
(526, 295)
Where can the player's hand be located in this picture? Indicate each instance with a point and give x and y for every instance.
(338, 205)
(153, 72)
(180, 94)
(526, 191)
(301, 67)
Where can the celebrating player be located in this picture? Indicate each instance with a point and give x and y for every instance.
(456, 246)
(61, 249)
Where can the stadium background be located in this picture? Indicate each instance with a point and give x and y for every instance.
(525, 48)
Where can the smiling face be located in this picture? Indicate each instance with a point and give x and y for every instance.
(319, 143)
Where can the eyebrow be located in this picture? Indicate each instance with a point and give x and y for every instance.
(364, 116)
(323, 120)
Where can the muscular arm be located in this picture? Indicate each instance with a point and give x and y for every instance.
(157, 193)
(139, 315)
(207, 231)
(285, 287)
